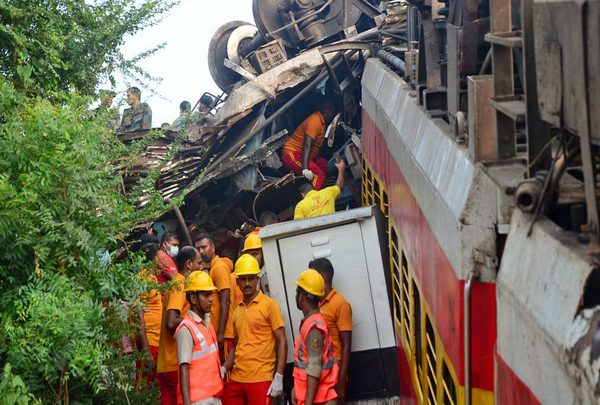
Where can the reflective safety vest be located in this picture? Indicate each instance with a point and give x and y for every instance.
(205, 365)
(329, 366)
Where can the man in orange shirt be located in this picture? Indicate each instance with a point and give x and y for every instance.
(175, 307)
(301, 150)
(197, 352)
(149, 316)
(220, 272)
(338, 315)
(315, 366)
(258, 359)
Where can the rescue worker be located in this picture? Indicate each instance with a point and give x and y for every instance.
(338, 315)
(185, 110)
(220, 272)
(253, 247)
(315, 366)
(175, 307)
(258, 359)
(138, 116)
(300, 152)
(169, 248)
(197, 349)
(149, 317)
(320, 202)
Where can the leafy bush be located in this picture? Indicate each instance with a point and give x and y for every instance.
(64, 45)
(62, 312)
(13, 390)
(63, 306)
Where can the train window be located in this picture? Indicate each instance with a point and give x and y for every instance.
(376, 193)
(395, 266)
(384, 209)
(450, 397)
(405, 298)
(417, 328)
(430, 360)
(385, 205)
(369, 187)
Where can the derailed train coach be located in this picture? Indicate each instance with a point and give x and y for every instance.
(473, 127)
(474, 151)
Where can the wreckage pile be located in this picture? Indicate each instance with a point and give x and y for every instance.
(226, 165)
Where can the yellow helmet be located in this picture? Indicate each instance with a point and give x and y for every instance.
(312, 282)
(246, 265)
(198, 281)
(252, 242)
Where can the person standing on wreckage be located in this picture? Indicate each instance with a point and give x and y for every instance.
(300, 152)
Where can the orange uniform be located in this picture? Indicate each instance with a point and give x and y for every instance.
(220, 272)
(314, 127)
(329, 368)
(338, 315)
(153, 308)
(254, 325)
(205, 367)
(167, 352)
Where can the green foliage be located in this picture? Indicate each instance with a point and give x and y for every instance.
(63, 45)
(13, 390)
(62, 306)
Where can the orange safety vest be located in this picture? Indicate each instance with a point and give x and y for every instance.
(329, 374)
(205, 366)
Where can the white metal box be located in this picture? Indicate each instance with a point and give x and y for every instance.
(351, 241)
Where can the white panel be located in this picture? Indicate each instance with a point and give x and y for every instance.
(353, 248)
(379, 294)
(351, 277)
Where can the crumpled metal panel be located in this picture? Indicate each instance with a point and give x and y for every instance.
(287, 75)
(541, 329)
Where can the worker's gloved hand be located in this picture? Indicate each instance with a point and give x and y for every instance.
(223, 372)
(308, 174)
(276, 388)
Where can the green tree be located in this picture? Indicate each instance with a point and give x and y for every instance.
(64, 308)
(62, 311)
(65, 45)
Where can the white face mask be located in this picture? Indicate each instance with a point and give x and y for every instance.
(173, 250)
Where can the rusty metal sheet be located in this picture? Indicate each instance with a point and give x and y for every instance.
(482, 137)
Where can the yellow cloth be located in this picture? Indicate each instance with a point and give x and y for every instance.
(220, 272)
(314, 127)
(153, 307)
(167, 349)
(255, 350)
(317, 203)
(338, 315)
